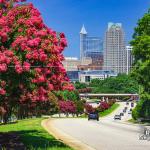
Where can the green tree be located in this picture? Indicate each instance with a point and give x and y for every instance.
(121, 84)
(79, 107)
(68, 95)
(141, 71)
(79, 85)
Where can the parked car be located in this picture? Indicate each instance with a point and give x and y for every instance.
(93, 116)
(117, 117)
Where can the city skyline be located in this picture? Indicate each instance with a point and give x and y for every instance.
(94, 15)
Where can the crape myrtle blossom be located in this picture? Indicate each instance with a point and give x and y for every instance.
(30, 52)
(2, 87)
(67, 106)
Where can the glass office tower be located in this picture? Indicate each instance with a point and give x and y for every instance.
(91, 47)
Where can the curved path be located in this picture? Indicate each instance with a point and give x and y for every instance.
(106, 134)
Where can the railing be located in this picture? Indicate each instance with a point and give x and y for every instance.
(106, 94)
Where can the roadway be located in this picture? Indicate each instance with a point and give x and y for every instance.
(106, 134)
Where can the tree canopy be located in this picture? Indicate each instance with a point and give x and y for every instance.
(141, 70)
(120, 84)
(30, 56)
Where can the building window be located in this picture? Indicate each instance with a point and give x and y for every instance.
(87, 79)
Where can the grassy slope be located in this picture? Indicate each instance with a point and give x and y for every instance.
(34, 136)
(137, 122)
(110, 110)
(132, 121)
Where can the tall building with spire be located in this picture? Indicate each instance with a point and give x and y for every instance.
(115, 55)
(83, 44)
(91, 47)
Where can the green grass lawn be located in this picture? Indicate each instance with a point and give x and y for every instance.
(33, 135)
(132, 121)
(110, 110)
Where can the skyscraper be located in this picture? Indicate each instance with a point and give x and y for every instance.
(130, 58)
(115, 55)
(83, 36)
(91, 47)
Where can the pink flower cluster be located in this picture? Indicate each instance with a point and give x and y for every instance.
(8, 3)
(5, 59)
(89, 108)
(67, 107)
(34, 50)
(104, 105)
(2, 87)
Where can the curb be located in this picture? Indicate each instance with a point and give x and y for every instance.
(65, 138)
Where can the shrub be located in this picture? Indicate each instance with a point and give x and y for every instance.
(79, 107)
(103, 106)
(142, 110)
(65, 95)
(111, 102)
(85, 90)
(79, 85)
(67, 107)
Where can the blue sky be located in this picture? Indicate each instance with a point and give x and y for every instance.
(68, 16)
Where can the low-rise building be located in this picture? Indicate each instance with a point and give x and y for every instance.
(87, 76)
(73, 63)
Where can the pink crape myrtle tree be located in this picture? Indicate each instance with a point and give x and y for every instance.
(67, 107)
(30, 57)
